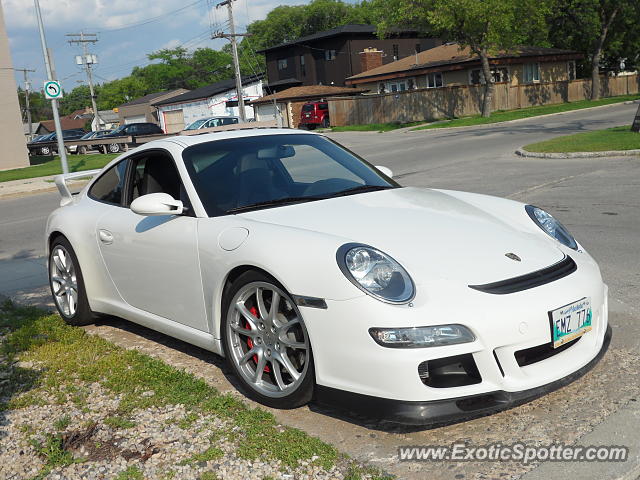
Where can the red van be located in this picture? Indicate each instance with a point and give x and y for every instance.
(314, 114)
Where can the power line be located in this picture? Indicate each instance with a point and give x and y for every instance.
(149, 20)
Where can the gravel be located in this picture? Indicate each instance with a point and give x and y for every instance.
(161, 444)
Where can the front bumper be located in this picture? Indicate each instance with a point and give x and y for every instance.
(446, 411)
(347, 359)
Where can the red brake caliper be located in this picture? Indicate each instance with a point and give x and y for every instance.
(254, 312)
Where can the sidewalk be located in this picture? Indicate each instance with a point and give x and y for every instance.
(28, 186)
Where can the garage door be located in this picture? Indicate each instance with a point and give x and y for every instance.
(173, 121)
(135, 119)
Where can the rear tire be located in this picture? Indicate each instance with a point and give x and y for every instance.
(82, 150)
(325, 122)
(280, 371)
(45, 151)
(67, 284)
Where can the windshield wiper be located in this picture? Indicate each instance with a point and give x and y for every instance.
(361, 189)
(272, 203)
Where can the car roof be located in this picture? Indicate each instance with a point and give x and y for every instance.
(189, 140)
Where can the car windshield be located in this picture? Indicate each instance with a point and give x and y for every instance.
(87, 136)
(250, 173)
(197, 124)
(119, 129)
(308, 107)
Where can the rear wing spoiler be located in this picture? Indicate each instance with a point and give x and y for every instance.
(63, 188)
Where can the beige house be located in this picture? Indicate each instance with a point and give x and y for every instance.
(449, 65)
(12, 139)
(140, 110)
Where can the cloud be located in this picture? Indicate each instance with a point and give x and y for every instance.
(96, 14)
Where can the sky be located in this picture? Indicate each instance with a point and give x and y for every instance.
(127, 31)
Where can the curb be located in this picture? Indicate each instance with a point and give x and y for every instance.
(34, 186)
(611, 153)
(507, 122)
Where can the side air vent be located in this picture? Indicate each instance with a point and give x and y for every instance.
(534, 279)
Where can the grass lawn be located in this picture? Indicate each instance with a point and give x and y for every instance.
(617, 138)
(45, 362)
(374, 127)
(43, 166)
(506, 115)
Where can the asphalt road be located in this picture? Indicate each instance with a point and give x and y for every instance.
(596, 198)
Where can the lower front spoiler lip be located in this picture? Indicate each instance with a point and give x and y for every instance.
(452, 410)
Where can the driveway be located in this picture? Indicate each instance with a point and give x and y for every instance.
(596, 198)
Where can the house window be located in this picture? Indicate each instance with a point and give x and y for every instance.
(329, 54)
(303, 68)
(571, 69)
(434, 80)
(282, 64)
(396, 52)
(531, 72)
(395, 86)
(498, 74)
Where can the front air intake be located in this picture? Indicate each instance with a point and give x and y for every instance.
(531, 280)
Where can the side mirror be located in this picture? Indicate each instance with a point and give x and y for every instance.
(157, 204)
(387, 171)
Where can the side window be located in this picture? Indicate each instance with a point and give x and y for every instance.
(155, 173)
(109, 187)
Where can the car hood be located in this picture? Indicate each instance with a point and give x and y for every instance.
(431, 233)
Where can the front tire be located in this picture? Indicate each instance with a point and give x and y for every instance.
(266, 342)
(114, 148)
(67, 284)
(45, 151)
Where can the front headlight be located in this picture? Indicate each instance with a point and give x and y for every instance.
(419, 337)
(375, 273)
(551, 226)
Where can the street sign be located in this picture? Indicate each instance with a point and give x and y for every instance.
(52, 90)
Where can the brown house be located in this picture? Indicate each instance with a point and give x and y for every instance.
(329, 57)
(140, 110)
(449, 65)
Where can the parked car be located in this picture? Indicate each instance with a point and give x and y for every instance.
(83, 149)
(49, 148)
(211, 122)
(130, 129)
(311, 270)
(314, 114)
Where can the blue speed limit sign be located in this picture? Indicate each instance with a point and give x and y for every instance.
(52, 90)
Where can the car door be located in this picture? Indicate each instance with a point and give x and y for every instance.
(153, 261)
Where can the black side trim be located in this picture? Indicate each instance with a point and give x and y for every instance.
(439, 412)
(534, 279)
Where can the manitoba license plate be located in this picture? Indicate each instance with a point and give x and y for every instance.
(570, 322)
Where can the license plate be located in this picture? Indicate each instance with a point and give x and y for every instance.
(570, 322)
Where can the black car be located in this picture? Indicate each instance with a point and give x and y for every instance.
(47, 140)
(130, 130)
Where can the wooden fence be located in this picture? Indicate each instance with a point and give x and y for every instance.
(436, 103)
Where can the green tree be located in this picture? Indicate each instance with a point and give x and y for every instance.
(40, 107)
(486, 27)
(606, 31)
(76, 99)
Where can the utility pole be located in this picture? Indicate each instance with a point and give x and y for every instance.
(87, 60)
(234, 51)
(54, 103)
(27, 90)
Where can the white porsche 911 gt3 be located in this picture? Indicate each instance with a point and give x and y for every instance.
(313, 272)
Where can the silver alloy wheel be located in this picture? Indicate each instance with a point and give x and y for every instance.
(267, 339)
(114, 147)
(64, 283)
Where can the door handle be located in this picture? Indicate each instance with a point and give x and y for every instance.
(105, 236)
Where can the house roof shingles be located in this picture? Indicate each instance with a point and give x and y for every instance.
(334, 32)
(149, 98)
(451, 54)
(308, 91)
(209, 90)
